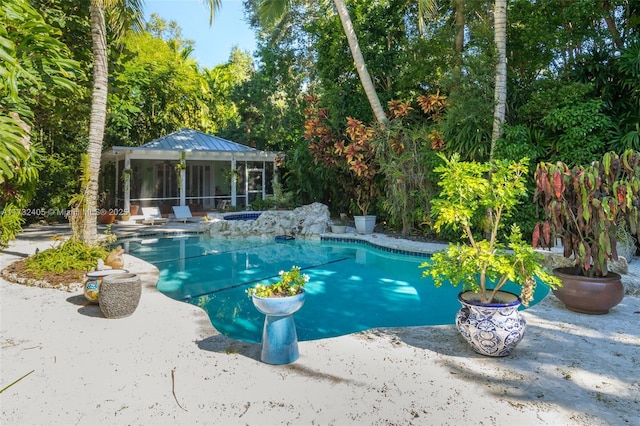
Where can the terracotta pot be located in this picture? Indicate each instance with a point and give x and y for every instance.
(588, 295)
(106, 218)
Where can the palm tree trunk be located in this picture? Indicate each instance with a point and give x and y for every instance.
(458, 44)
(611, 24)
(97, 120)
(500, 94)
(361, 67)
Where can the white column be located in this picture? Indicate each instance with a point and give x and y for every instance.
(276, 179)
(246, 185)
(127, 183)
(234, 181)
(115, 186)
(183, 181)
(264, 181)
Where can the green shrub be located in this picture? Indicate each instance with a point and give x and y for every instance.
(69, 255)
(11, 221)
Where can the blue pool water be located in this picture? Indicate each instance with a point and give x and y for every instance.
(352, 287)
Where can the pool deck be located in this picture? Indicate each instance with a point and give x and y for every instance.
(166, 364)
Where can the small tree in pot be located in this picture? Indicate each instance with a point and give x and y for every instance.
(584, 206)
(490, 191)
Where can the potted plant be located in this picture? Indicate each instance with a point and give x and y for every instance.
(361, 160)
(179, 167)
(279, 301)
(106, 213)
(586, 206)
(338, 226)
(353, 160)
(489, 319)
(129, 184)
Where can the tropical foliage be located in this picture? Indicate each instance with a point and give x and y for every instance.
(573, 79)
(586, 206)
(35, 70)
(484, 191)
(65, 256)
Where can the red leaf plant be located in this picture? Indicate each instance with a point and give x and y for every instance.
(586, 205)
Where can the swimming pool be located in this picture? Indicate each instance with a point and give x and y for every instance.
(352, 287)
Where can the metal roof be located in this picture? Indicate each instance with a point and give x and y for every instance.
(194, 140)
(193, 144)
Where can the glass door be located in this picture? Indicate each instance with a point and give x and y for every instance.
(254, 185)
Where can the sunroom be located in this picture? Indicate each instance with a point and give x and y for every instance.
(187, 168)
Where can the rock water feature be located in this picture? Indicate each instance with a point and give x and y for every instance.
(303, 222)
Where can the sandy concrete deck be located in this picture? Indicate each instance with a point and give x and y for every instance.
(166, 364)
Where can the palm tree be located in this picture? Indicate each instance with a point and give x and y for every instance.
(500, 91)
(123, 14)
(270, 10)
(361, 67)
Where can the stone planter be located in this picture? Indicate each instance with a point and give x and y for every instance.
(492, 329)
(279, 336)
(94, 280)
(119, 295)
(338, 229)
(365, 224)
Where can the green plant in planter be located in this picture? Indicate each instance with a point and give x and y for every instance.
(127, 174)
(491, 191)
(291, 282)
(360, 155)
(586, 206)
(179, 167)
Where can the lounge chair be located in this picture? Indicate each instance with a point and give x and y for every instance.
(183, 214)
(152, 216)
(223, 204)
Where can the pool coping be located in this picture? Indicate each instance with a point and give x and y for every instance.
(385, 243)
(375, 240)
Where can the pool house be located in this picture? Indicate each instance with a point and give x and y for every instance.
(187, 168)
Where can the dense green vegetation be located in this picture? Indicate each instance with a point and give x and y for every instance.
(573, 93)
(69, 255)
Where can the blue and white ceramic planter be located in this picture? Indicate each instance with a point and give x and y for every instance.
(492, 329)
(279, 336)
